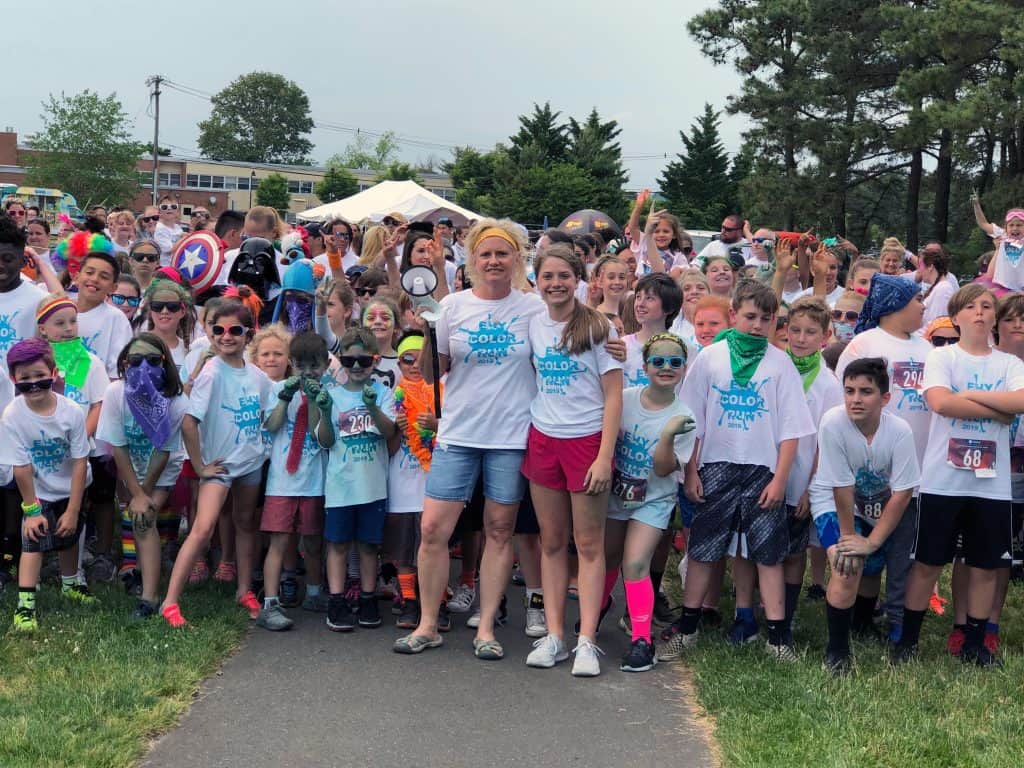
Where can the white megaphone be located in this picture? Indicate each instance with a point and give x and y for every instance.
(420, 282)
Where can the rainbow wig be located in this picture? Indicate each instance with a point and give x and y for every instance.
(71, 251)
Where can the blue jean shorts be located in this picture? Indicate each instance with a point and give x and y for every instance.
(454, 470)
(356, 522)
(827, 525)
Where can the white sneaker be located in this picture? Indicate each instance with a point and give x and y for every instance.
(474, 621)
(536, 622)
(462, 600)
(586, 663)
(547, 652)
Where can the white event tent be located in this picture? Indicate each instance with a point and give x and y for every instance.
(405, 197)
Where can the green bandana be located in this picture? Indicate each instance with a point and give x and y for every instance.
(807, 366)
(72, 360)
(745, 352)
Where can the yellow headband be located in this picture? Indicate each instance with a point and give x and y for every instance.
(410, 343)
(499, 232)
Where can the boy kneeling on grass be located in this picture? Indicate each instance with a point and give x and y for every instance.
(867, 472)
(46, 444)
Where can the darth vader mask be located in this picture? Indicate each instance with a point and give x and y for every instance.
(255, 267)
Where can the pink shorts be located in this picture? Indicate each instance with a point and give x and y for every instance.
(560, 463)
(293, 514)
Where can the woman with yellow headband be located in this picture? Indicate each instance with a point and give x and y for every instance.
(483, 346)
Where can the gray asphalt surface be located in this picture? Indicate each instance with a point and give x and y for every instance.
(310, 697)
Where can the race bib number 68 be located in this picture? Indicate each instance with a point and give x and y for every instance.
(978, 456)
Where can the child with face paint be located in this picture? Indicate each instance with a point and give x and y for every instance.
(644, 487)
(380, 317)
(46, 443)
(223, 436)
(411, 449)
(356, 487)
(141, 421)
(301, 426)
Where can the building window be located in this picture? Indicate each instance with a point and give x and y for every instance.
(217, 182)
(205, 181)
(293, 187)
(306, 187)
(192, 180)
(170, 179)
(230, 182)
(242, 181)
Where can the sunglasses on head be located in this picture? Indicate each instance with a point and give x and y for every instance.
(168, 206)
(349, 361)
(150, 219)
(660, 362)
(140, 256)
(156, 307)
(135, 360)
(117, 299)
(231, 330)
(941, 341)
(849, 315)
(32, 386)
(408, 359)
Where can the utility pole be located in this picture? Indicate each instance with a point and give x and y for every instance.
(155, 81)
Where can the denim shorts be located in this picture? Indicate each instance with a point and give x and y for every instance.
(454, 470)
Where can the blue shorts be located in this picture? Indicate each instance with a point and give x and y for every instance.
(454, 470)
(827, 525)
(686, 508)
(249, 479)
(358, 522)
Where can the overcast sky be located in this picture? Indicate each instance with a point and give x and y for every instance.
(450, 73)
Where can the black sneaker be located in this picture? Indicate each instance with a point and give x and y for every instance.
(409, 618)
(143, 611)
(710, 618)
(289, 594)
(444, 619)
(982, 657)
(815, 592)
(640, 657)
(339, 614)
(837, 664)
(132, 581)
(369, 613)
(901, 653)
(868, 631)
(600, 617)
(663, 612)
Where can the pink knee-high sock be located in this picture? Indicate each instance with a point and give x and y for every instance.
(610, 577)
(640, 602)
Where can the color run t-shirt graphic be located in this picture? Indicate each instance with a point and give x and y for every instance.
(741, 406)
(8, 333)
(246, 417)
(557, 370)
(975, 383)
(492, 341)
(48, 453)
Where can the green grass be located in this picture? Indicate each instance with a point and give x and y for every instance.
(932, 712)
(90, 688)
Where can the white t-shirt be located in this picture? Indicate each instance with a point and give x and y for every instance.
(718, 248)
(570, 395)
(936, 303)
(830, 298)
(230, 404)
(357, 463)
(745, 424)
(93, 389)
(633, 373)
(684, 329)
(105, 331)
(888, 463)
(634, 483)
(1009, 270)
(407, 481)
(308, 480)
(824, 393)
(491, 382)
(165, 237)
(49, 443)
(387, 372)
(196, 351)
(969, 457)
(671, 259)
(905, 358)
(118, 427)
(17, 318)
(788, 297)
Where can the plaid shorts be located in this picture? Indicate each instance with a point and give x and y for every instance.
(50, 541)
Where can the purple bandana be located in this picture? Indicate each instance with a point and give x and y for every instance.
(143, 391)
(300, 315)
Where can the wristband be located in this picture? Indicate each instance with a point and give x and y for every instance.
(32, 510)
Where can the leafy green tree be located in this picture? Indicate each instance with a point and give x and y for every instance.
(697, 185)
(472, 175)
(594, 149)
(337, 184)
(273, 192)
(528, 194)
(85, 148)
(399, 172)
(376, 157)
(259, 118)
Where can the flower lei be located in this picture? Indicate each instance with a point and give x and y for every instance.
(414, 398)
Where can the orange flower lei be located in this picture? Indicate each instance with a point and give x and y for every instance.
(414, 398)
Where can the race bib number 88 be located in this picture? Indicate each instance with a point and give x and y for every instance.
(978, 456)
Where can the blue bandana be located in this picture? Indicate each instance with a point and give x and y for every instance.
(888, 294)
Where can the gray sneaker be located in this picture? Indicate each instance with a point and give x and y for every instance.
(274, 619)
(315, 603)
(547, 652)
(536, 621)
(103, 568)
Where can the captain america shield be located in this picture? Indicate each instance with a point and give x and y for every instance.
(200, 258)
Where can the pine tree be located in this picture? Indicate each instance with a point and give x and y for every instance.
(541, 139)
(594, 149)
(698, 186)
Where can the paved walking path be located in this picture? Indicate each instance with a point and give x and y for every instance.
(310, 698)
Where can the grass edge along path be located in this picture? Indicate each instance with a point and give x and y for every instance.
(932, 712)
(91, 688)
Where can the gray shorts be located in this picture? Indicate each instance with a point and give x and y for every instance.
(799, 532)
(50, 541)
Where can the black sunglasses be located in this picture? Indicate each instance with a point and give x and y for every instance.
(349, 361)
(156, 307)
(200, 215)
(232, 330)
(659, 362)
(31, 386)
(118, 299)
(149, 219)
(150, 257)
(850, 315)
(135, 360)
(368, 292)
(941, 341)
